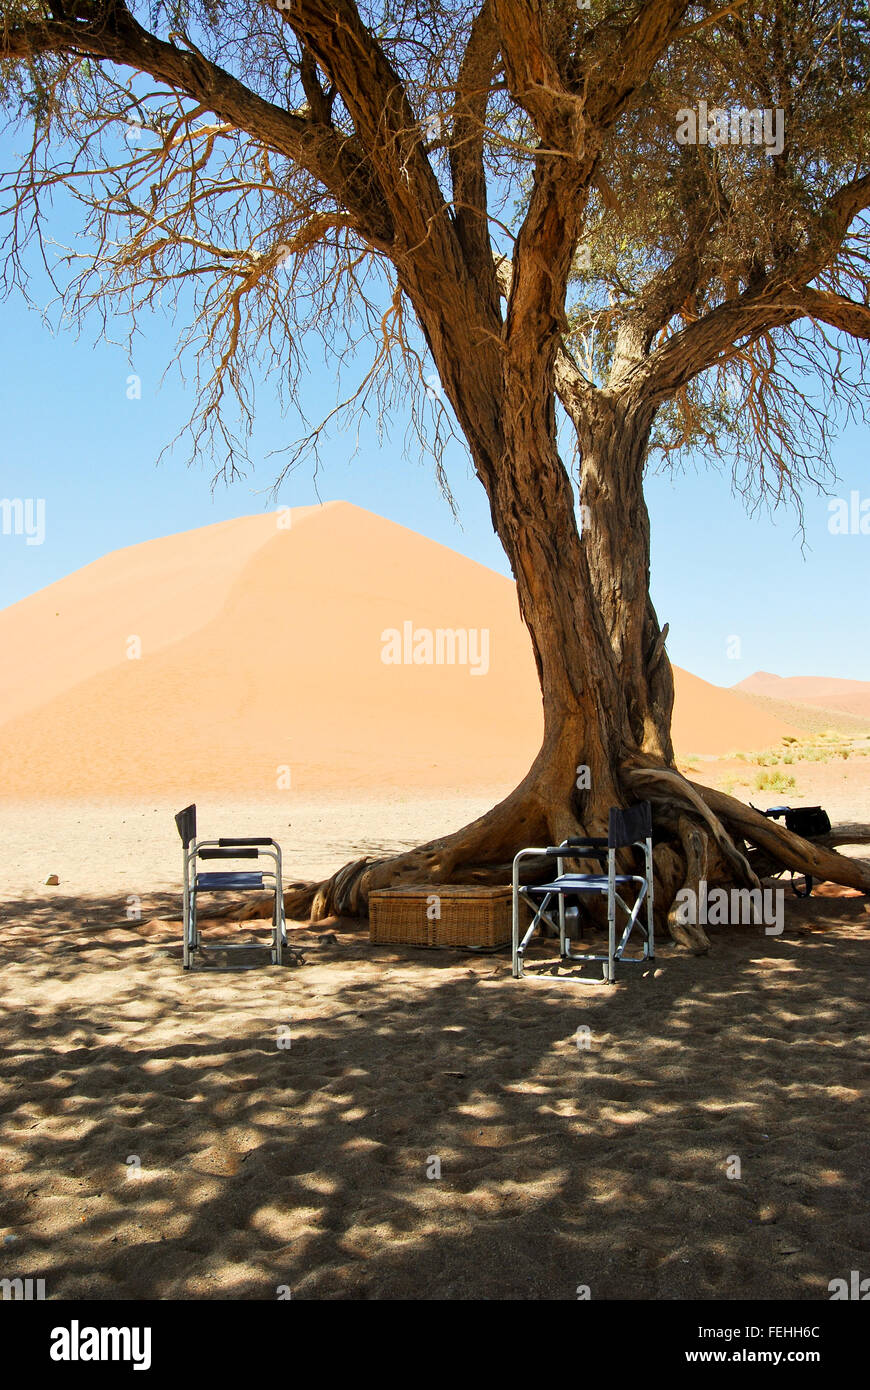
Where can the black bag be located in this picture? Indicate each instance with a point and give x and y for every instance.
(807, 821)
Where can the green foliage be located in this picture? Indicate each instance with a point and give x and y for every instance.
(773, 782)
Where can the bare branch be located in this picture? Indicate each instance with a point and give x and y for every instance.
(115, 36)
(838, 311)
(473, 88)
(772, 299)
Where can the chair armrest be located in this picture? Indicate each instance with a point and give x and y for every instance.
(584, 850)
(228, 853)
(255, 841)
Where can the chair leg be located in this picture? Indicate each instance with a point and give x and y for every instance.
(650, 895)
(186, 926)
(516, 960)
(278, 939)
(562, 927)
(610, 963)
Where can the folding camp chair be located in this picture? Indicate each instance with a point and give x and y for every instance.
(265, 881)
(626, 828)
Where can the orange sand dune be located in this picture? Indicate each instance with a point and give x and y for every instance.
(711, 720)
(824, 692)
(262, 662)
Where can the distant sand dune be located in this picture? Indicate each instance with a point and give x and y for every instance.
(824, 692)
(809, 718)
(261, 650)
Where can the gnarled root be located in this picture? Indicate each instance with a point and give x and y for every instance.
(701, 836)
(731, 824)
(695, 842)
(481, 852)
(787, 850)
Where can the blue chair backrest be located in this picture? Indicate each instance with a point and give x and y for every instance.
(629, 827)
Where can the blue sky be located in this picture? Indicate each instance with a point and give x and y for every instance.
(72, 437)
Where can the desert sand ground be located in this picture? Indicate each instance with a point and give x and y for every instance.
(156, 1141)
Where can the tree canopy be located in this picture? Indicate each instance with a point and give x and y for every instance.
(281, 164)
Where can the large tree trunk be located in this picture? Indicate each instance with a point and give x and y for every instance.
(616, 536)
(606, 682)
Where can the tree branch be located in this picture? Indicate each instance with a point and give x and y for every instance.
(571, 116)
(554, 88)
(114, 36)
(838, 311)
(771, 300)
(473, 87)
(385, 123)
(660, 300)
(449, 299)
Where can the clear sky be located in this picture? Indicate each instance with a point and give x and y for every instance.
(72, 438)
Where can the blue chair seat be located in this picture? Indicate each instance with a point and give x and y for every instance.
(228, 882)
(578, 883)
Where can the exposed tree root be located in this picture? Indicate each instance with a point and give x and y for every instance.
(701, 836)
(478, 853)
(787, 850)
(696, 844)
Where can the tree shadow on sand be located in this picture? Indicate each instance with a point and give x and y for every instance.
(307, 1159)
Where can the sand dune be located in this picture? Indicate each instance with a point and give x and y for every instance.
(251, 653)
(824, 692)
(713, 721)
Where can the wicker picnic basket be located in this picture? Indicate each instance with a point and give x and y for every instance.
(450, 914)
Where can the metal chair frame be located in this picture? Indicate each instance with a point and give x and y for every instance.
(568, 885)
(264, 881)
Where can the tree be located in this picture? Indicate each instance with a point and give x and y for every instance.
(617, 226)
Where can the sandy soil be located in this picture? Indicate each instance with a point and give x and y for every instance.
(842, 786)
(156, 1140)
(305, 1167)
(118, 848)
(126, 848)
